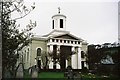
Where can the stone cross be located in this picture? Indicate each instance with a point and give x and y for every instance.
(59, 9)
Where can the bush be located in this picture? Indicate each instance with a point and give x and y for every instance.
(84, 70)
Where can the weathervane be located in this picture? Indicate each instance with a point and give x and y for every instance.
(59, 9)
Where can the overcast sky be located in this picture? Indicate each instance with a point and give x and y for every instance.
(93, 20)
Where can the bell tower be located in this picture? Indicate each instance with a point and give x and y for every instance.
(59, 21)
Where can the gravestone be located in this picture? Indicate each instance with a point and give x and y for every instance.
(77, 76)
(71, 75)
(34, 73)
(20, 71)
(30, 70)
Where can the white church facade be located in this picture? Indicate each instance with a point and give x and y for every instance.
(56, 50)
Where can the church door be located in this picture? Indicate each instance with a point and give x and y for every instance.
(64, 52)
(82, 64)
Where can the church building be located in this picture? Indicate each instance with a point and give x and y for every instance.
(55, 50)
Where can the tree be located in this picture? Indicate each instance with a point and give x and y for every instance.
(13, 39)
(57, 56)
(100, 57)
(95, 54)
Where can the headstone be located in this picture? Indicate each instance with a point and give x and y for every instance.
(30, 71)
(77, 76)
(20, 71)
(34, 73)
(69, 73)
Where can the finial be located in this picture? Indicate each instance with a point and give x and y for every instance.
(59, 9)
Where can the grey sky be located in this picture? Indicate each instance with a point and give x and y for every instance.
(94, 21)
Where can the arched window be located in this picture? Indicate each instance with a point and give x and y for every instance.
(38, 52)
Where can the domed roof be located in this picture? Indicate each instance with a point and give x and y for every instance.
(58, 15)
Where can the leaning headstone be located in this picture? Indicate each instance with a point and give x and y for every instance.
(34, 73)
(20, 71)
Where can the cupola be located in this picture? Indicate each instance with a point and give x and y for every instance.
(59, 21)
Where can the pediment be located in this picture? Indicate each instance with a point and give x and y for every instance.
(67, 36)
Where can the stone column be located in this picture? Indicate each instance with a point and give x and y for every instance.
(51, 48)
(74, 59)
(58, 49)
(79, 58)
(57, 66)
(51, 65)
(58, 54)
(66, 63)
(51, 52)
(85, 64)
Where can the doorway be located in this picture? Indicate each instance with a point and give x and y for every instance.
(82, 64)
(65, 51)
(39, 64)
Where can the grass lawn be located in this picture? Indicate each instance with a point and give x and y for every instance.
(60, 75)
(47, 75)
(51, 75)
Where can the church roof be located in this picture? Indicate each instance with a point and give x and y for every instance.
(58, 34)
(55, 33)
(67, 36)
(38, 37)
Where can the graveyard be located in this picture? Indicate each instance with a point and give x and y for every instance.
(68, 75)
(60, 75)
(47, 75)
